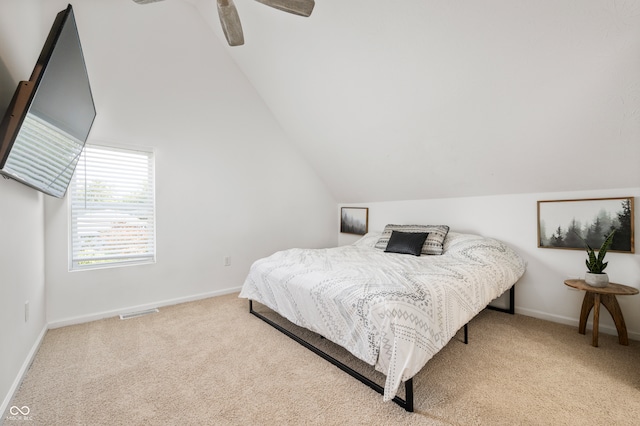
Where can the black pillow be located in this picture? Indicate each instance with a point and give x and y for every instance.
(406, 242)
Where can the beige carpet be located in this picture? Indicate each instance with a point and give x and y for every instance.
(211, 362)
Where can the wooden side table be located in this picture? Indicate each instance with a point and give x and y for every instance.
(607, 296)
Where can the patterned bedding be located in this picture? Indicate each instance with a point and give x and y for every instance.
(393, 311)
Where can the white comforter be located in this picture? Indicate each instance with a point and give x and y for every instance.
(392, 311)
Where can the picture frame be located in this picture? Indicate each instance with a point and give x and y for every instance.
(592, 219)
(354, 220)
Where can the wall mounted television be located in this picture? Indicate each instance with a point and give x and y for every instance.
(47, 123)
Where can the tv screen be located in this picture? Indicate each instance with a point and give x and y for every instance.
(49, 118)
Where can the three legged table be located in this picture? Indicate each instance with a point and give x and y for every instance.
(607, 296)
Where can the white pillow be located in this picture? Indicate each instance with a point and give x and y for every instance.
(368, 240)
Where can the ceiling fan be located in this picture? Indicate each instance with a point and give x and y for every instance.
(230, 20)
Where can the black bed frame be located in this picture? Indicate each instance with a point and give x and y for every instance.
(407, 402)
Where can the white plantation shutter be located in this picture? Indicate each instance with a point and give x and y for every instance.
(112, 197)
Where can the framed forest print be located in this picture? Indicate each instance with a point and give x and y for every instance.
(354, 220)
(563, 224)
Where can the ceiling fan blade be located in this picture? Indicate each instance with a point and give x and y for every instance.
(230, 22)
(297, 7)
(146, 1)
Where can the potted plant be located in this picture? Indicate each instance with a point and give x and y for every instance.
(596, 264)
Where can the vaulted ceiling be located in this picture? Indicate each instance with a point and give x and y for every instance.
(418, 99)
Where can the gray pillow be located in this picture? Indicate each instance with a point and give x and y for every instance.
(432, 245)
(406, 242)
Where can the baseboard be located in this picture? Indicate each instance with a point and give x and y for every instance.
(575, 322)
(113, 313)
(21, 373)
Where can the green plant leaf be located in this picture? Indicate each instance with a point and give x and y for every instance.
(596, 264)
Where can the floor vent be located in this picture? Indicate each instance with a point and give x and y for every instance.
(138, 314)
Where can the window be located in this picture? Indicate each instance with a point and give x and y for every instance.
(112, 207)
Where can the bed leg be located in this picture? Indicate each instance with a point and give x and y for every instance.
(408, 395)
(512, 303)
(512, 300)
(466, 333)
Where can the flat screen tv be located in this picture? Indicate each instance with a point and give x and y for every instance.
(49, 118)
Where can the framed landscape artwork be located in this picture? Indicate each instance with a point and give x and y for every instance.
(567, 224)
(354, 220)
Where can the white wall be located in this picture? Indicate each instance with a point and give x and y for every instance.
(21, 213)
(541, 291)
(21, 280)
(229, 183)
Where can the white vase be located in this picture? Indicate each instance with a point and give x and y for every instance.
(596, 280)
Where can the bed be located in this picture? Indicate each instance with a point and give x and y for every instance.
(394, 311)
